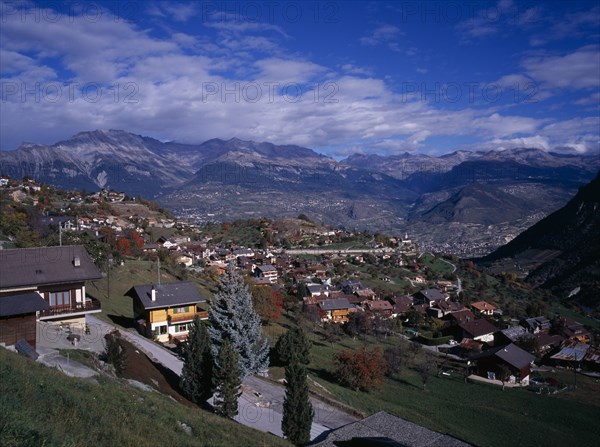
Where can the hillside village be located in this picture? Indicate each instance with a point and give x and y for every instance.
(343, 287)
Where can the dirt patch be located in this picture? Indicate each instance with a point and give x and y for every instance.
(139, 367)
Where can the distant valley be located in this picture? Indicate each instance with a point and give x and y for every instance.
(465, 202)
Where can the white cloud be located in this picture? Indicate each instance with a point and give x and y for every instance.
(580, 69)
(382, 34)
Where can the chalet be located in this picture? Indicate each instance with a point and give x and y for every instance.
(165, 311)
(335, 311)
(380, 307)
(429, 297)
(401, 305)
(511, 334)
(448, 307)
(18, 317)
(478, 330)
(318, 289)
(246, 252)
(546, 342)
(536, 324)
(483, 308)
(507, 363)
(459, 317)
(267, 271)
(57, 274)
(574, 330)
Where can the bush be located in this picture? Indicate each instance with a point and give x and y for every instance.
(114, 353)
(362, 369)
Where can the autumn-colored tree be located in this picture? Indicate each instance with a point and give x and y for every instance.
(362, 369)
(267, 303)
(124, 246)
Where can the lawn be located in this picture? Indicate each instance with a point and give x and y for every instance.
(118, 308)
(587, 321)
(438, 266)
(42, 407)
(480, 414)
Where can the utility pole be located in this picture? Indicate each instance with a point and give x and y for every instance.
(59, 234)
(158, 269)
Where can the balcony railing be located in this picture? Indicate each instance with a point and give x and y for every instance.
(89, 305)
(178, 318)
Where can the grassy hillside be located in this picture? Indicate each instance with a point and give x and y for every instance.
(483, 415)
(118, 308)
(42, 407)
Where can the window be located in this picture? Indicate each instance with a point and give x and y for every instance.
(62, 298)
(181, 310)
(160, 330)
(181, 327)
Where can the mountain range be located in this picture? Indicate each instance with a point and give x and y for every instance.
(439, 199)
(562, 251)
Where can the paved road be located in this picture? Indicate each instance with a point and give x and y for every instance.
(259, 406)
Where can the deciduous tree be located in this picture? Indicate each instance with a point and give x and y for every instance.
(362, 369)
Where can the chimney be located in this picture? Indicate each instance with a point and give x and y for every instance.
(77, 261)
(153, 293)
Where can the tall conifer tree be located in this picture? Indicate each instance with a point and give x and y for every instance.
(227, 381)
(232, 317)
(298, 412)
(197, 373)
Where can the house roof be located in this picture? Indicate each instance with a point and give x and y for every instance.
(167, 295)
(379, 305)
(572, 350)
(24, 303)
(515, 356)
(483, 306)
(511, 354)
(514, 333)
(46, 265)
(477, 328)
(266, 268)
(461, 315)
(386, 429)
(339, 303)
(432, 294)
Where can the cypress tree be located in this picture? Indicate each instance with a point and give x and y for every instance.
(232, 317)
(293, 342)
(298, 412)
(227, 380)
(197, 373)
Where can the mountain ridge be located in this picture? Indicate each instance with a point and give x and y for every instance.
(235, 178)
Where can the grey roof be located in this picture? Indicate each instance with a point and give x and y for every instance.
(432, 294)
(385, 426)
(266, 268)
(45, 265)
(515, 356)
(24, 303)
(339, 303)
(167, 295)
(514, 333)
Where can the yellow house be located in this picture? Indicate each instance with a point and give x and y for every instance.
(165, 312)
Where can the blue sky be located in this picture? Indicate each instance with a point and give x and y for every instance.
(339, 77)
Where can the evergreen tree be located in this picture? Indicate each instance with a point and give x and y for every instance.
(298, 412)
(232, 317)
(293, 342)
(227, 380)
(197, 373)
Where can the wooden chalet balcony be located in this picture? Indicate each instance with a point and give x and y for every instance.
(90, 305)
(203, 315)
